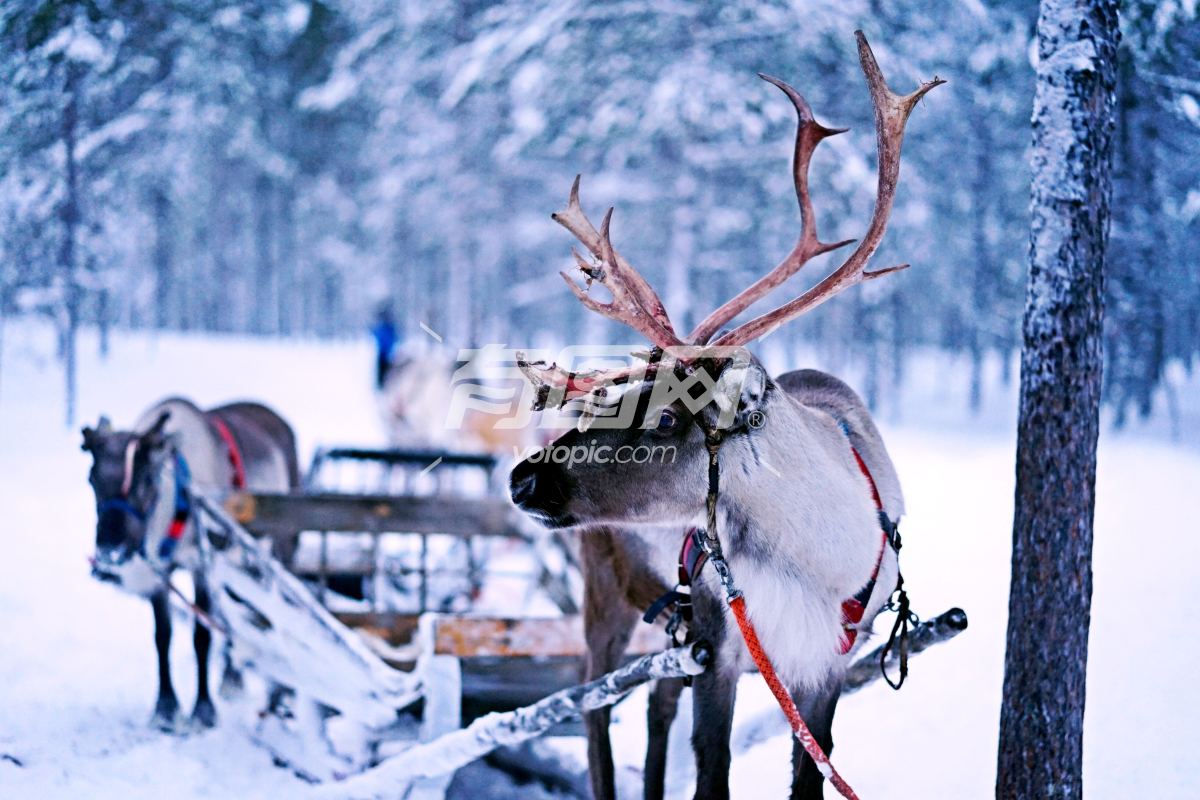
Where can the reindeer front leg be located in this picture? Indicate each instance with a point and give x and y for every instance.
(660, 713)
(713, 695)
(166, 709)
(817, 710)
(205, 713)
(608, 622)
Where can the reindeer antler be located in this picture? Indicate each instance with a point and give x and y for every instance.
(891, 113)
(634, 302)
(554, 385)
(809, 134)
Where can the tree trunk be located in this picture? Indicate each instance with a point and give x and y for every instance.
(1041, 724)
(984, 268)
(3, 319)
(898, 339)
(164, 272)
(261, 316)
(286, 295)
(681, 251)
(66, 255)
(104, 320)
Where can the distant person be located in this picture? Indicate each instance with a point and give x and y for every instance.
(386, 339)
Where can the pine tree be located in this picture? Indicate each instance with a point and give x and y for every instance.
(1045, 668)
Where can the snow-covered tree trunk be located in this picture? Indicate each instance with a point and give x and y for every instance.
(70, 219)
(1041, 725)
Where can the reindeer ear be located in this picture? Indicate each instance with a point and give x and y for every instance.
(739, 394)
(92, 436)
(155, 437)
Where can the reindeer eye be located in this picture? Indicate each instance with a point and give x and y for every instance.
(668, 421)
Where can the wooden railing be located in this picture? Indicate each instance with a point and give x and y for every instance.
(354, 491)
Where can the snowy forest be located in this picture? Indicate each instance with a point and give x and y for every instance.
(287, 168)
(291, 220)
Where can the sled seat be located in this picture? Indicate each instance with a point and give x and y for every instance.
(504, 662)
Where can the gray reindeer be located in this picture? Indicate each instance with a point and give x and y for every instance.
(808, 496)
(143, 479)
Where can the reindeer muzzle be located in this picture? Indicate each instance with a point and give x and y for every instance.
(540, 490)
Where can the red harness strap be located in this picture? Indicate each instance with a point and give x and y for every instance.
(853, 608)
(235, 455)
(692, 558)
(698, 548)
(852, 614)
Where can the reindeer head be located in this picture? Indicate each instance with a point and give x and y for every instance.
(124, 476)
(578, 479)
(642, 456)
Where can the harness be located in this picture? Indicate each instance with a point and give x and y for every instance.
(701, 546)
(854, 607)
(182, 504)
(693, 557)
(235, 453)
(183, 508)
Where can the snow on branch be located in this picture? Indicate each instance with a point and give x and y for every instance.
(459, 748)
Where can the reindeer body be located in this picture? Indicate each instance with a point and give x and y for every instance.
(813, 545)
(265, 443)
(803, 535)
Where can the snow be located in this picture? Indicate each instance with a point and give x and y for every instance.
(78, 44)
(329, 95)
(77, 676)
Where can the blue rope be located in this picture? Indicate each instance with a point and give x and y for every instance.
(122, 505)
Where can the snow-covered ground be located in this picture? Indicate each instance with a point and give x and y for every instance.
(77, 676)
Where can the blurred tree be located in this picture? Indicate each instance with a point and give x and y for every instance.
(1154, 291)
(73, 80)
(284, 166)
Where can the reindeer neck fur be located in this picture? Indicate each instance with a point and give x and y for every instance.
(794, 497)
(800, 530)
(205, 452)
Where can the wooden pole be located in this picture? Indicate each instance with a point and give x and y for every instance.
(459, 748)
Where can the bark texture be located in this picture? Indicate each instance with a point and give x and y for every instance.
(1041, 726)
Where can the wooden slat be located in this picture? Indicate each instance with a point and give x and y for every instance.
(420, 458)
(504, 665)
(269, 514)
(395, 629)
(490, 637)
(482, 637)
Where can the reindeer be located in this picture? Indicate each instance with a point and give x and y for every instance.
(808, 496)
(143, 479)
(418, 408)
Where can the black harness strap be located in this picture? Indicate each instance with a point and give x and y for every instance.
(692, 559)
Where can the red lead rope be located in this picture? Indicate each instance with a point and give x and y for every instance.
(737, 603)
(799, 728)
